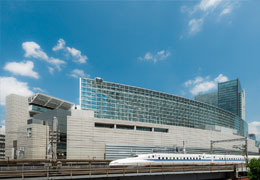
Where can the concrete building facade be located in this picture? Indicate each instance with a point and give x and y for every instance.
(116, 121)
(90, 138)
(29, 122)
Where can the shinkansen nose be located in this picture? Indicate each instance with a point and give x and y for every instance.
(114, 163)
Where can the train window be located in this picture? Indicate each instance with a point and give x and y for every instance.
(159, 157)
(148, 157)
(153, 156)
(177, 158)
(184, 158)
(162, 157)
(166, 157)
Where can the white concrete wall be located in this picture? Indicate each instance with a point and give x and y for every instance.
(86, 141)
(17, 114)
(35, 146)
(16, 117)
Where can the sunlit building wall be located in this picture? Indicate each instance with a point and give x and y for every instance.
(122, 102)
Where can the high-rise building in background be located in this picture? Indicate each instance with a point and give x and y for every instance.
(243, 104)
(229, 96)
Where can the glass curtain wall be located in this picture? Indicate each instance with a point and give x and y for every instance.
(123, 102)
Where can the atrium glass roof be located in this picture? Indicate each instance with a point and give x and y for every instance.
(49, 102)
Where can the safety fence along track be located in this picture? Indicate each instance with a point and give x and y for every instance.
(92, 168)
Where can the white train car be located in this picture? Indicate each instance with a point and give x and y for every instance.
(179, 159)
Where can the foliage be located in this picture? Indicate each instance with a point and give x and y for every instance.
(254, 166)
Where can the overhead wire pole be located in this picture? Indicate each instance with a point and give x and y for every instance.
(245, 150)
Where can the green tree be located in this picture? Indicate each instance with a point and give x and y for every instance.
(254, 166)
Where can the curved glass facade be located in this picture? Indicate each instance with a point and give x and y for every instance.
(123, 102)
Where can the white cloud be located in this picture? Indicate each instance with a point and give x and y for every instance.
(254, 128)
(9, 85)
(37, 89)
(22, 68)
(77, 73)
(56, 62)
(202, 85)
(205, 9)
(195, 81)
(158, 56)
(51, 70)
(2, 129)
(148, 56)
(221, 78)
(33, 50)
(77, 56)
(195, 25)
(73, 52)
(60, 45)
(206, 5)
(226, 11)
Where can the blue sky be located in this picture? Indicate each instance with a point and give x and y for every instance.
(178, 47)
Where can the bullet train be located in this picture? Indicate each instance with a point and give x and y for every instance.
(179, 159)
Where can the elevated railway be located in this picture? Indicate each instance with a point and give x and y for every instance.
(99, 169)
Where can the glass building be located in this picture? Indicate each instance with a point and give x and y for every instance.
(231, 97)
(117, 101)
(210, 98)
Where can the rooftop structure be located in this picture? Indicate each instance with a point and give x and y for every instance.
(49, 102)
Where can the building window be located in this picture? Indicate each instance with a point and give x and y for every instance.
(118, 126)
(139, 128)
(29, 132)
(160, 130)
(101, 125)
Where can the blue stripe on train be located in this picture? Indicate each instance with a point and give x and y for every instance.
(191, 160)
